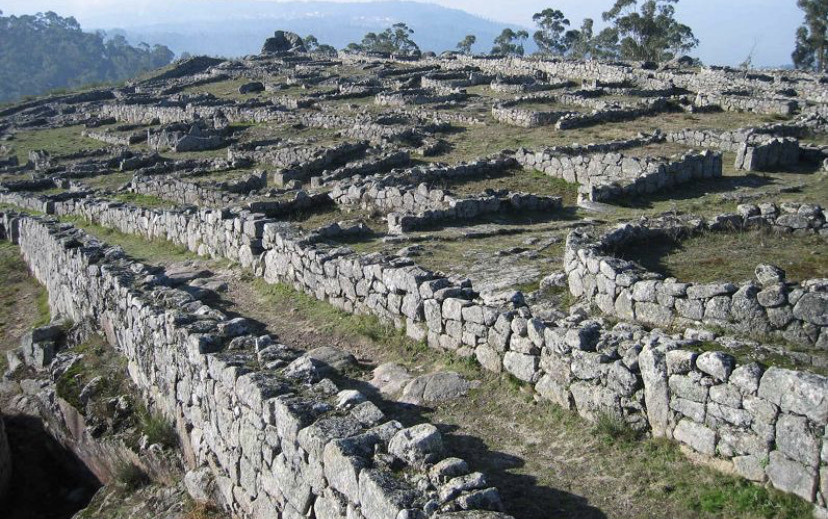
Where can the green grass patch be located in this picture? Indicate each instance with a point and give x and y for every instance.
(517, 180)
(99, 360)
(739, 498)
(57, 141)
(732, 256)
(109, 181)
(612, 429)
(130, 477)
(156, 251)
(157, 428)
(146, 201)
(23, 301)
(330, 319)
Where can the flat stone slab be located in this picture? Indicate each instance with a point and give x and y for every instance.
(435, 388)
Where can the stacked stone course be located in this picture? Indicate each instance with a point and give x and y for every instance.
(796, 312)
(272, 444)
(606, 176)
(574, 362)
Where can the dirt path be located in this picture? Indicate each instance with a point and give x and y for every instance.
(22, 299)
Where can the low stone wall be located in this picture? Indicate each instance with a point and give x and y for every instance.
(510, 112)
(116, 139)
(370, 166)
(605, 177)
(725, 141)
(577, 363)
(452, 81)
(525, 84)
(274, 442)
(5, 461)
(148, 114)
(795, 312)
(613, 114)
(428, 209)
(299, 162)
(182, 138)
(214, 194)
(320, 161)
(759, 105)
(769, 155)
(424, 96)
(435, 173)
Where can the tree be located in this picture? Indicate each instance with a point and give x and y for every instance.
(550, 36)
(393, 40)
(579, 42)
(45, 52)
(466, 44)
(811, 37)
(650, 33)
(510, 43)
(605, 45)
(326, 50)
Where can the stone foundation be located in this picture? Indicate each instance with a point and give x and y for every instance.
(796, 312)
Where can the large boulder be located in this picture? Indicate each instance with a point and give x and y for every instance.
(283, 41)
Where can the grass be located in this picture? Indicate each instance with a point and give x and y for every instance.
(129, 477)
(612, 429)
(228, 89)
(735, 498)
(156, 251)
(732, 256)
(24, 302)
(57, 141)
(146, 201)
(109, 181)
(156, 428)
(518, 180)
(99, 360)
(475, 141)
(331, 319)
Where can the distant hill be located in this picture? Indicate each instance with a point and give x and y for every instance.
(238, 28)
(45, 52)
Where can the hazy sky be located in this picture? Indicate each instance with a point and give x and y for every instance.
(728, 29)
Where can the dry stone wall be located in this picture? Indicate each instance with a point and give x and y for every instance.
(773, 154)
(759, 105)
(578, 363)
(402, 98)
(274, 441)
(215, 194)
(604, 177)
(798, 312)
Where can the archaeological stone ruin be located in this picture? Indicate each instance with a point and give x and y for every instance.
(523, 216)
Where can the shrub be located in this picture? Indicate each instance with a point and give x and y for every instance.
(157, 429)
(130, 477)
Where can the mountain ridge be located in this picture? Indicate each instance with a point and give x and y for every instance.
(229, 31)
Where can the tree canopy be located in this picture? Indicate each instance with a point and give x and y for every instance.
(466, 44)
(651, 32)
(45, 52)
(393, 40)
(510, 43)
(810, 51)
(550, 37)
